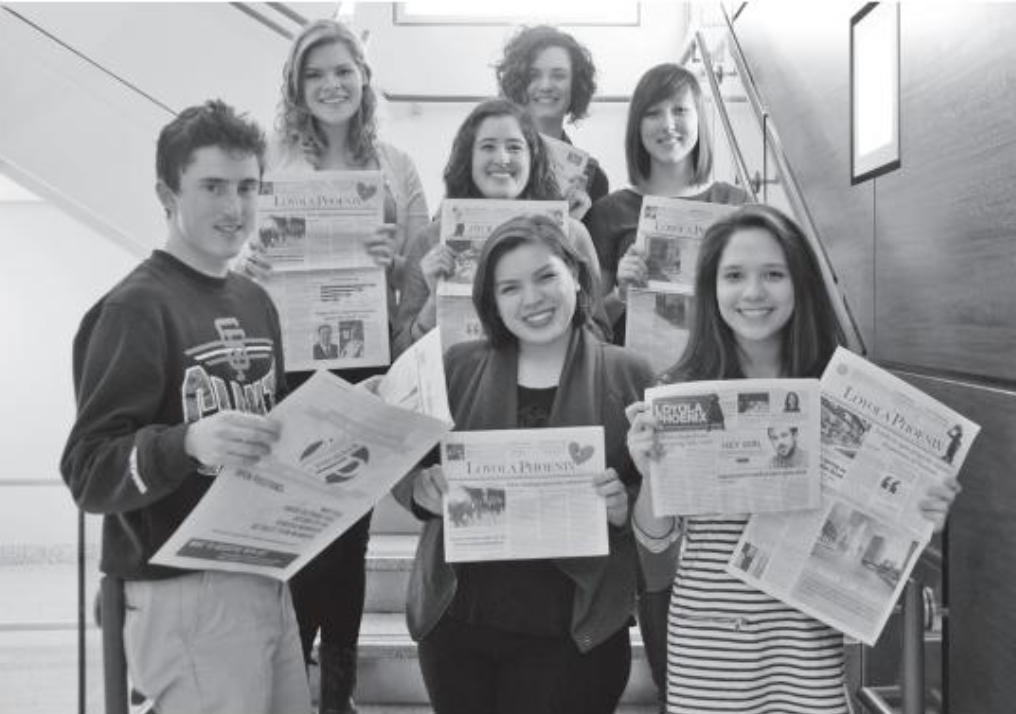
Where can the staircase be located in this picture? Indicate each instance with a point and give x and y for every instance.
(389, 674)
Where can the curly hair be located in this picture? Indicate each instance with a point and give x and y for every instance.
(296, 125)
(519, 54)
(663, 82)
(458, 174)
(809, 337)
(213, 123)
(515, 232)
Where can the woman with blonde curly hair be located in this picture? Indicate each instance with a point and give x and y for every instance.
(327, 121)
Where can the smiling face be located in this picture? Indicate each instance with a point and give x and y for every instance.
(501, 160)
(536, 294)
(214, 209)
(669, 129)
(548, 95)
(754, 290)
(332, 84)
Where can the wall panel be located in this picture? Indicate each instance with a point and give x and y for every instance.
(946, 221)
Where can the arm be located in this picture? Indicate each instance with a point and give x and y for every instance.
(413, 216)
(417, 311)
(117, 458)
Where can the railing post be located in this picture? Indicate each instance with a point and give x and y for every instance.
(912, 664)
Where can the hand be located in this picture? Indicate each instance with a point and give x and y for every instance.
(579, 201)
(429, 488)
(632, 270)
(938, 500)
(381, 245)
(614, 495)
(643, 445)
(437, 263)
(253, 259)
(231, 438)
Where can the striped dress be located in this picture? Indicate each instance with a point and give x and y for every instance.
(732, 648)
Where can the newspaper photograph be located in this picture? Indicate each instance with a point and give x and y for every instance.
(467, 222)
(524, 493)
(883, 444)
(670, 232)
(341, 450)
(568, 163)
(416, 380)
(657, 324)
(318, 219)
(332, 319)
(735, 446)
(457, 320)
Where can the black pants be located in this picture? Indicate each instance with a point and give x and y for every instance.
(479, 670)
(328, 592)
(653, 608)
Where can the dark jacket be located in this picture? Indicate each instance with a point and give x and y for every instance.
(599, 380)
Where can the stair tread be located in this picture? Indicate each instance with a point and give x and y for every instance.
(381, 630)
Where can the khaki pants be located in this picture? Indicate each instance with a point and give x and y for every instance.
(215, 643)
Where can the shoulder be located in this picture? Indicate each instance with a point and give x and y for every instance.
(625, 366)
(463, 359)
(282, 155)
(396, 157)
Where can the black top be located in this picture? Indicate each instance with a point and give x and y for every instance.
(531, 597)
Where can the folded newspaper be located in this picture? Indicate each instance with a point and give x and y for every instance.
(523, 493)
(340, 451)
(884, 443)
(735, 446)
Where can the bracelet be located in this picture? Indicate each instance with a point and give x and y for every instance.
(649, 536)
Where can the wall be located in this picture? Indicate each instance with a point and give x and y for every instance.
(926, 256)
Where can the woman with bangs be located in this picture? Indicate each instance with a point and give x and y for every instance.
(669, 153)
(552, 75)
(496, 154)
(327, 121)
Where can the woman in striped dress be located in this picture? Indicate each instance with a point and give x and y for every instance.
(761, 312)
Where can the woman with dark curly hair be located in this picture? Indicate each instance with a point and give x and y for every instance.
(326, 121)
(552, 75)
(496, 154)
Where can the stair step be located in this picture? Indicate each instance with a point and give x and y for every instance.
(389, 673)
(389, 563)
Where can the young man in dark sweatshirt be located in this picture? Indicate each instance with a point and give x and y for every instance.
(174, 371)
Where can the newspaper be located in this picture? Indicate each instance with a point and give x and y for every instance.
(467, 222)
(416, 380)
(317, 219)
(735, 446)
(332, 318)
(457, 320)
(657, 325)
(341, 450)
(526, 493)
(884, 443)
(670, 232)
(567, 162)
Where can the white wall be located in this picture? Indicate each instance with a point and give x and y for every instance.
(54, 269)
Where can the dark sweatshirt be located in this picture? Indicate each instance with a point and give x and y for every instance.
(167, 346)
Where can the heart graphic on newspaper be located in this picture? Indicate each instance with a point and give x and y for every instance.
(580, 454)
(365, 191)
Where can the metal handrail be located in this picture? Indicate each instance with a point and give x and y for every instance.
(848, 325)
(728, 128)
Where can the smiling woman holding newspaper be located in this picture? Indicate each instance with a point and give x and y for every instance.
(496, 154)
(761, 312)
(668, 153)
(326, 121)
(545, 635)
